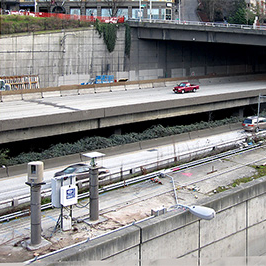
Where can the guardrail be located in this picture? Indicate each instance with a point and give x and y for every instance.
(203, 24)
(67, 90)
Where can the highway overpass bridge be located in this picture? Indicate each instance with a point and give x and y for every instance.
(189, 48)
(52, 112)
(206, 32)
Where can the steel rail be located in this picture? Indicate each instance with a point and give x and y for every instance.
(47, 192)
(142, 178)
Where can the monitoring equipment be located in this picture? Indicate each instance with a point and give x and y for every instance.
(57, 183)
(68, 195)
(35, 172)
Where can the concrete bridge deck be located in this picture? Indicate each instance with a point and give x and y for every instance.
(200, 32)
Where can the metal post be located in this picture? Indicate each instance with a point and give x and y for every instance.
(94, 194)
(35, 207)
(139, 10)
(179, 11)
(173, 182)
(150, 9)
(258, 111)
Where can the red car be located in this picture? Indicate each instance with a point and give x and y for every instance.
(185, 87)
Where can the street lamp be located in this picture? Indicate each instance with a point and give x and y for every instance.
(199, 211)
(202, 212)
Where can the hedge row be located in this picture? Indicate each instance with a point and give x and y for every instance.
(97, 142)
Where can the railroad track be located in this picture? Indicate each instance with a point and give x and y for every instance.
(142, 178)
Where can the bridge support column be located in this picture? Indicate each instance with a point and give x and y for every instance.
(241, 112)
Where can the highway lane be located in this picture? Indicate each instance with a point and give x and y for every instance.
(15, 186)
(69, 104)
(188, 10)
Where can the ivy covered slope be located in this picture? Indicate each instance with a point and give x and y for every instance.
(97, 142)
(109, 33)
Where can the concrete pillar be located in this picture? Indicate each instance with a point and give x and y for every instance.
(241, 112)
(35, 207)
(118, 131)
(94, 194)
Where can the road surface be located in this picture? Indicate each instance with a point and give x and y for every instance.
(188, 10)
(68, 104)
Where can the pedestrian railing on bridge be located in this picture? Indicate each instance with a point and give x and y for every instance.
(203, 24)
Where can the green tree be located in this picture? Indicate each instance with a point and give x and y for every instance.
(4, 157)
(241, 15)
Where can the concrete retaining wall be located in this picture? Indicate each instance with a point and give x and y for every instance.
(74, 57)
(236, 231)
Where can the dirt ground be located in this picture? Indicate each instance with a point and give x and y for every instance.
(14, 251)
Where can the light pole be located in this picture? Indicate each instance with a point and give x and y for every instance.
(202, 212)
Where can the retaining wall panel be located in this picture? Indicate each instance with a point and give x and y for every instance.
(227, 226)
(101, 248)
(258, 203)
(169, 244)
(163, 224)
(257, 239)
(232, 246)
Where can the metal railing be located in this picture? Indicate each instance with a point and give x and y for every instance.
(203, 24)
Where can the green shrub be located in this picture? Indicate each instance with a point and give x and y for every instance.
(97, 142)
(127, 40)
(3, 157)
